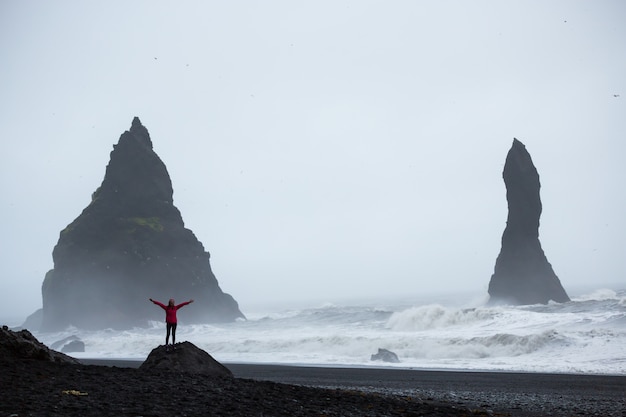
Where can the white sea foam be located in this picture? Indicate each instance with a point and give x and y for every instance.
(599, 295)
(587, 335)
(437, 316)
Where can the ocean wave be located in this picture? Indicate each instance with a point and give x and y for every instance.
(601, 294)
(584, 335)
(500, 345)
(436, 316)
(328, 313)
(505, 344)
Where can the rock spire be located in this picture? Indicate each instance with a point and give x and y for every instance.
(130, 244)
(522, 273)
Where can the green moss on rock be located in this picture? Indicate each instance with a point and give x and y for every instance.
(153, 223)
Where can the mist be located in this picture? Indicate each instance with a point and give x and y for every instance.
(322, 151)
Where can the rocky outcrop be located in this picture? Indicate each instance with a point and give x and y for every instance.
(23, 345)
(522, 273)
(69, 344)
(184, 357)
(130, 244)
(385, 355)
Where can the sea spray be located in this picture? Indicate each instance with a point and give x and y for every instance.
(586, 335)
(436, 316)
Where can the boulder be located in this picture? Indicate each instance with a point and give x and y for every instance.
(74, 346)
(127, 245)
(184, 357)
(69, 344)
(23, 345)
(385, 355)
(522, 273)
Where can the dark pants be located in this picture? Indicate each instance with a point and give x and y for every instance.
(171, 327)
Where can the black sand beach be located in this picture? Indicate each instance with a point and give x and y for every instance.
(521, 394)
(107, 388)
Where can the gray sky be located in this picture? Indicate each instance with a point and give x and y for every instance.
(321, 149)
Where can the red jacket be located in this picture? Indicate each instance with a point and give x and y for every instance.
(170, 311)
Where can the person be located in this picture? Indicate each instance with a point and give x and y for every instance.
(170, 318)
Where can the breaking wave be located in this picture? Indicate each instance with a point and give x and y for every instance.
(586, 335)
(436, 316)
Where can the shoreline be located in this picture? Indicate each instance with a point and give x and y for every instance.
(516, 393)
(135, 363)
(107, 387)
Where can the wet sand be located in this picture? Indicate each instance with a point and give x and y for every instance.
(515, 393)
(117, 388)
(522, 394)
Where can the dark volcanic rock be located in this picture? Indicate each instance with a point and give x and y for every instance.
(74, 346)
(385, 356)
(522, 273)
(69, 344)
(129, 244)
(184, 357)
(23, 345)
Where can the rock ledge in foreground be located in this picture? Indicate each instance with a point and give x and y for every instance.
(23, 345)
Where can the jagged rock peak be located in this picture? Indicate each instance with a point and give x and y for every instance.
(520, 161)
(135, 171)
(522, 273)
(130, 243)
(140, 133)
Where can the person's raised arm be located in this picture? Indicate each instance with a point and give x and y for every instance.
(184, 304)
(157, 303)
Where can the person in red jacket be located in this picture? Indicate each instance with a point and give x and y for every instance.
(170, 317)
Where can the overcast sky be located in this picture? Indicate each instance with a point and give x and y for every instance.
(321, 149)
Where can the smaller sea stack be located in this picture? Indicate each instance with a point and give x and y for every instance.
(522, 273)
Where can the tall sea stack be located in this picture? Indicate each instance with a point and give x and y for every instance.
(522, 273)
(130, 244)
